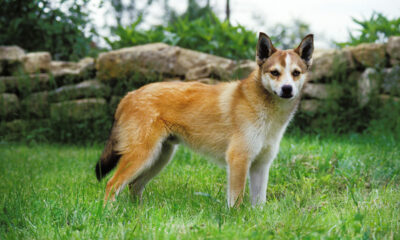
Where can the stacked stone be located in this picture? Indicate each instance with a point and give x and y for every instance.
(33, 86)
(372, 69)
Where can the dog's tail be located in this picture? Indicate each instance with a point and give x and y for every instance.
(110, 157)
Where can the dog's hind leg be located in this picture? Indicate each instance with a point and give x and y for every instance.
(139, 156)
(137, 186)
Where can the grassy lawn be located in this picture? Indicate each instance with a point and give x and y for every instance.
(320, 187)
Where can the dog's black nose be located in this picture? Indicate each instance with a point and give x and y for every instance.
(287, 90)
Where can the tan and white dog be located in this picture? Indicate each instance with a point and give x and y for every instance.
(240, 124)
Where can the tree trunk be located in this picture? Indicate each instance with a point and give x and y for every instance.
(227, 10)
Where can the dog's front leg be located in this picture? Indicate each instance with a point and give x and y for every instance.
(259, 172)
(238, 166)
(258, 182)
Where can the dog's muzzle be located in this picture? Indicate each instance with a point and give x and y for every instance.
(287, 91)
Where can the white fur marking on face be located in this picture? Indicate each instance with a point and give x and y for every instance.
(265, 80)
(302, 80)
(288, 69)
(288, 75)
(277, 67)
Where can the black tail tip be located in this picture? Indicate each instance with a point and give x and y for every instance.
(105, 165)
(99, 174)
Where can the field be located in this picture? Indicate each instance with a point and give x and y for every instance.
(329, 187)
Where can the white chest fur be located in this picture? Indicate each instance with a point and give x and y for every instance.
(265, 134)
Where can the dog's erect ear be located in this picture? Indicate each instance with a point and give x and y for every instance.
(264, 48)
(306, 48)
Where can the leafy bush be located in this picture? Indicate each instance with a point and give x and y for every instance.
(36, 26)
(375, 29)
(207, 34)
(289, 35)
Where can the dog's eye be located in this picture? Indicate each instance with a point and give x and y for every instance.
(275, 73)
(295, 73)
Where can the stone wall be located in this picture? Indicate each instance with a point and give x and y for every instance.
(368, 69)
(33, 87)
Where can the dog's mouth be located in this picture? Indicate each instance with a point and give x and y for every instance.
(289, 95)
(284, 95)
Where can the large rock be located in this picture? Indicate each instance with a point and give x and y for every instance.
(11, 53)
(86, 89)
(78, 110)
(391, 81)
(9, 106)
(321, 91)
(367, 85)
(239, 70)
(209, 81)
(384, 98)
(10, 59)
(244, 68)
(310, 106)
(36, 62)
(326, 62)
(156, 57)
(36, 105)
(369, 54)
(25, 83)
(83, 69)
(393, 49)
(207, 71)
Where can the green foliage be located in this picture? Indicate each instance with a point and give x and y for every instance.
(198, 28)
(56, 129)
(332, 187)
(378, 28)
(207, 34)
(289, 36)
(36, 25)
(127, 10)
(387, 121)
(193, 11)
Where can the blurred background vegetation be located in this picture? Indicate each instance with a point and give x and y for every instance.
(65, 29)
(37, 25)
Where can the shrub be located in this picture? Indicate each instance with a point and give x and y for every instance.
(289, 35)
(207, 34)
(36, 26)
(377, 28)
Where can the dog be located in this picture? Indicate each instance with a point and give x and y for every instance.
(240, 124)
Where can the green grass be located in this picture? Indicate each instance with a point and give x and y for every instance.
(330, 187)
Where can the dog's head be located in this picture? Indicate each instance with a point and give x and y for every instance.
(283, 72)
